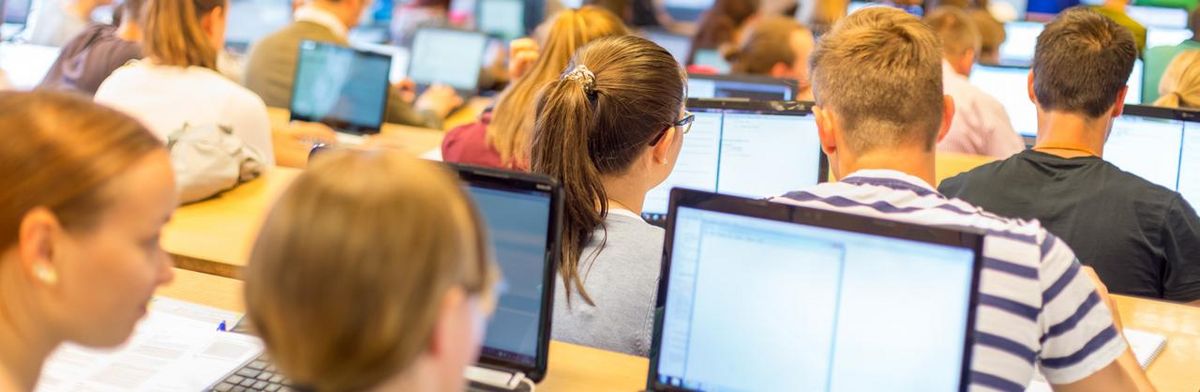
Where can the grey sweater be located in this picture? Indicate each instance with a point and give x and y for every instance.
(623, 283)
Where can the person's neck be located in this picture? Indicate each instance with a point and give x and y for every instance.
(22, 354)
(82, 9)
(627, 193)
(1070, 135)
(915, 161)
(129, 31)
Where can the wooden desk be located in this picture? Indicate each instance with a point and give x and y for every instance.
(951, 164)
(1178, 366)
(572, 367)
(413, 140)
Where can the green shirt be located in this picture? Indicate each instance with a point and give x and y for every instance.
(1157, 59)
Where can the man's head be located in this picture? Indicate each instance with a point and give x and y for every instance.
(960, 37)
(1082, 62)
(991, 35)
(349, 12)
(777, 47)
(877, 78)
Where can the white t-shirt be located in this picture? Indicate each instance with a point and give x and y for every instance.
(165, 98)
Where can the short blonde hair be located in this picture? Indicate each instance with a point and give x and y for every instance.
(1180, 85)
(345, 279)
(881, 70)
(956, 29)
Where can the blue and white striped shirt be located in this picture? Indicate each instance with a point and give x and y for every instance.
(1036, 308)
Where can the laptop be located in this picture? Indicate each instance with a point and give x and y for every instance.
(686, 10)
(447, 56)
(14, 14)
(523, 215)
(503, 19)
(1166, 36)
(1020, 42)
(1161, 145)
(678, 45)
(251, 20)
(757, 295)
(344, 88)
(755, 88)
(712, 58)
(746, 148)
(1148, 16)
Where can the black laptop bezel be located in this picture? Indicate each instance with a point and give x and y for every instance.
(749, 79)
(516, 181)
(793, 108)
(959, 237)
(414, 57)
(339, 124)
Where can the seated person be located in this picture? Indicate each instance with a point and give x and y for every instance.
(1141, 238)
(501, 136)
(777, 47)
(177, 84)
(981, 125)
(880, 111)
(86, 193)
(55, 22)
(271, 65)
(991, 35)
(610, 130)
(722, 25)
(1157, 59)
(406, 311)
(1180, 87)
(91, 56)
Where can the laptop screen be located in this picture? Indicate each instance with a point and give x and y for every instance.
(757, 89)
(1159, 145)
(1160, 36)
(1158, 16)
(251, 20)
(677, 45)
(449, 57)
(745, 152)
(502, 18)
(344, 88)
(1009, 86)
(687, 10)
(712, 58)
(1019, 42)
(16, 11)
(812, 302)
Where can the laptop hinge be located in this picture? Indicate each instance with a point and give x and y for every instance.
(494, 378)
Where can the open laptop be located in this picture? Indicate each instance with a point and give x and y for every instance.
(686, 10)
(712, 58)
(344, 88)
(14, 14)
(757, 295)
(676, 44)
(1019, 42)
(251, 20)
(523, 215)
(447, 56)
(508, 19)
(747, 148)
(756, 88)
(1160, 145)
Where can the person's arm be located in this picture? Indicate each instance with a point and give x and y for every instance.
(1181, 248)
(1124, 374)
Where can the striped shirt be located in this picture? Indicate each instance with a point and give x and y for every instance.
(1037, 309)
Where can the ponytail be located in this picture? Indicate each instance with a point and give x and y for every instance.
(1171, 100)
(619, 93)
(173, 35)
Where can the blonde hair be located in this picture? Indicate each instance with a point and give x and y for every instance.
(956, 29)
(991, 33)
(512, 119)
(173, 35)
(345, 279)
(1180, 85)
(894, 94)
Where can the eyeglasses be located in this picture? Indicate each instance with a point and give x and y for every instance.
(684, 125)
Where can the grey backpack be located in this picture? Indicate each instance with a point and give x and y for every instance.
(209, 160)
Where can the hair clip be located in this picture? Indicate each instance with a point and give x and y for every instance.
(584, 76)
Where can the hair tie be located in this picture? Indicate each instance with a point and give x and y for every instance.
(584, 76)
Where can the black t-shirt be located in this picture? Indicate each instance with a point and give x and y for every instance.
(1142, 239)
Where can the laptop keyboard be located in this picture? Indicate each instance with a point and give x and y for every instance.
(258, 375)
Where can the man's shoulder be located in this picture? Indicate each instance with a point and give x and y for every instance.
(289, 37)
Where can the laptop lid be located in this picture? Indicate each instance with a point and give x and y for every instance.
(447, 56)
(344, 88)
(523, 214)
(508, 19)
(757, 295)
(712, 58)
(1149, 16)
(747, 148)
(1160, 145)
(1019, 42)
(756, 88)
(251, 20)
(1162, 36)
(676, 44)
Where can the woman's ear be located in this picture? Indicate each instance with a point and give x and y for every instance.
(660, 153)
(36, 236)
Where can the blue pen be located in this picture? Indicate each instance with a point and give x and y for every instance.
(221, 327)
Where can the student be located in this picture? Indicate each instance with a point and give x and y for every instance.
(271, 66)
(879, 113)
(95, 53)
(54, 22)
(1115, 10)
(500, 138)
(86, 193)
(1142, 239)
(1157, 59)
(178, 83)
(777, 47)
(405, 274)
(722, 25)
(1180, 87)
(610, 129)
(410, 17)
(991, 35)
(981, 125)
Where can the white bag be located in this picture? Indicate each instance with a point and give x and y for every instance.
(209, 160)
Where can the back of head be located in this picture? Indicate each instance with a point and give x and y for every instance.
(1180, 86)
(173, 34)
(991, 34)
(512, 120)
(880, 69)
(768, 42)
(1083, 60)
(616, 98)
(720, 23)
(345, 280)
(826, 13)
(956, 29)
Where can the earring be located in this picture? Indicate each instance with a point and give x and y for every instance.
(45, 274)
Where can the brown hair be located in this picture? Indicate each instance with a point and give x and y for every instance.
(59, 152)
(1083, 60)
(588, 127)
(894, 94)
(720, 23)
(768, 42)
(173, 35)
(512, 119)
(345, 278)
(991, 32)
(1180, 85)
(826, 13)
(955, 29)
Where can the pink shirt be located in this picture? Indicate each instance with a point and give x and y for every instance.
(980, 125)
(468, 144)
